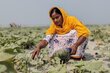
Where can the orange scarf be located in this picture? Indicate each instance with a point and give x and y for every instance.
(69, 23)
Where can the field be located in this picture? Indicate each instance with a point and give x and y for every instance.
(16, 45)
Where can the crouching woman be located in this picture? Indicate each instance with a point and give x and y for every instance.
(65, 32)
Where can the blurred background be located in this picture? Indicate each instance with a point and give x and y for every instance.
(35, 12)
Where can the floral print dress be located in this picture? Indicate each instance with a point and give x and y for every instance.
(57, 42)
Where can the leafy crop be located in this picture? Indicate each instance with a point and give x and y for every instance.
(16, 45)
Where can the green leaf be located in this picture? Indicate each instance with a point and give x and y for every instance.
(93, 66)
(8, 67)
(2, 68)
(5, 56)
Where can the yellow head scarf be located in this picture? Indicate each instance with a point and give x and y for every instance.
(69, 23)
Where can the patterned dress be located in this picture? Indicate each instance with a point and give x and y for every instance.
(57, 42)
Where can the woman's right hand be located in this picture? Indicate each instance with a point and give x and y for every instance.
(35, 52)
(41, 44)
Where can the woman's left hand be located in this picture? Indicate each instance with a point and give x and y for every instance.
(74, 49)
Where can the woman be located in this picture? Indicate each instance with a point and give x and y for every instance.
(64, 32)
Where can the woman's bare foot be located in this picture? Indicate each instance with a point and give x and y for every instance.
(78, 58)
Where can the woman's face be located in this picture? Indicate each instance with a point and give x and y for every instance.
(57, 19)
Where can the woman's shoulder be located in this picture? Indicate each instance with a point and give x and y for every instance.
(71, 19)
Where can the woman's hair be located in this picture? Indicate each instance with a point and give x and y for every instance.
(56, 10)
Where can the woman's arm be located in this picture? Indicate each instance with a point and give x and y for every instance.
(80, 40)
(39, 46)
(43, 43)
(82, 33)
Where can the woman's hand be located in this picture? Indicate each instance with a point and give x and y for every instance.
(35, 52)
(41, 44)
(74, 49)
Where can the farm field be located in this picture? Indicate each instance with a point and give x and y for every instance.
(16, 45)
